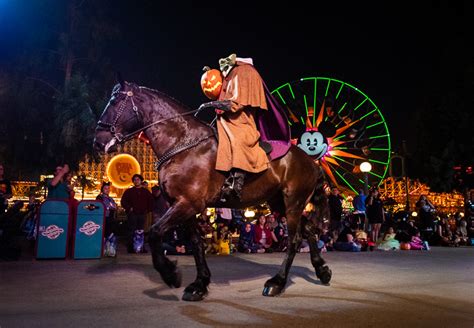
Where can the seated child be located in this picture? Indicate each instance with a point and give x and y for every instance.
(345, 241)
(417, 244)
(388, 241)
(246, 242)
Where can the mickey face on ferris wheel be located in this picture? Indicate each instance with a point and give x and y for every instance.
(314, 144)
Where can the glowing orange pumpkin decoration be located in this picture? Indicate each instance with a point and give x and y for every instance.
(211, 83)
(405, 246)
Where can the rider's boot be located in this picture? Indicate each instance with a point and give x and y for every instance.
(233, 185)
(239, 178)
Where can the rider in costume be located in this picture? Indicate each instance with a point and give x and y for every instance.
(238, 151)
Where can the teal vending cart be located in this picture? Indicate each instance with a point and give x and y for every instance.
(89, 230)
(53, 230)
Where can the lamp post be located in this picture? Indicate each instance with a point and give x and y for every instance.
(365, 168)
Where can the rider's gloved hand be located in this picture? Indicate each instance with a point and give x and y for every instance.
(223, 105)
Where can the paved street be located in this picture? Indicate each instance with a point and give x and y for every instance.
(374, 289)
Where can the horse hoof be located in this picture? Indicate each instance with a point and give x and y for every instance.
(194, 296)
(324, 274)
(272, 291)
(174, 280)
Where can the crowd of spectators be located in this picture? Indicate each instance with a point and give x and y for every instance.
(366, 226)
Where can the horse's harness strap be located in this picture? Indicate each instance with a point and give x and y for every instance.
(178, 149)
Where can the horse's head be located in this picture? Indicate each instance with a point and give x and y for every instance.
(121, 117)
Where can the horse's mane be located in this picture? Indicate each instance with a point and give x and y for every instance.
(164, 95)
(176, 102)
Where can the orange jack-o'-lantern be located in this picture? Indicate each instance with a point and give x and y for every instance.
(211, 83)
(405, 246)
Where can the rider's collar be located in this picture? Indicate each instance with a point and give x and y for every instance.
(226, 64)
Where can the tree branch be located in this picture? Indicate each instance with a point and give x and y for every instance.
(45, 83)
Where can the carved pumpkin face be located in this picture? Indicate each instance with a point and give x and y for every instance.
(211, 83)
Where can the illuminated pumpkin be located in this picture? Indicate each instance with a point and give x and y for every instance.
(211, 83)
(405, 246)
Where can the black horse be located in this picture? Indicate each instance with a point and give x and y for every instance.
(186, 148)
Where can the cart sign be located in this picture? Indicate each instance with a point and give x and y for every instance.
(120, 170)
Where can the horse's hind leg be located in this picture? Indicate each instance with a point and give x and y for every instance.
(322, 271)
(275, 285)
(197, 290)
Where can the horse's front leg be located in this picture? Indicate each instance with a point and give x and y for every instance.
(275, 285)
(168, 270)
(197, 290)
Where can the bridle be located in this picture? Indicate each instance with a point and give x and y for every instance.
(111, 127)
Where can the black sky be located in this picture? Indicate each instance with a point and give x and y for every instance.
(395, 52)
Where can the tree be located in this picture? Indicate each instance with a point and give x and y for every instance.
(55, 86)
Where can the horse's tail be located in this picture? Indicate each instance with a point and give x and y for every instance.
(319, 197)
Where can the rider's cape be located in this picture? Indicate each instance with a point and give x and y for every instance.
(240, 130)
(273, 126)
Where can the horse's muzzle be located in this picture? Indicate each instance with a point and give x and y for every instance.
(98, 146)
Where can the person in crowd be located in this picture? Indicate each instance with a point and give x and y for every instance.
(224, 214)
(246, 243)
(263, 235)
(10, 250)
(5, 190)
(417, 243)
(222, 238)
(30, 220)
(281, 233)
(375, 213)
(461, 230)
(177, 242)
(73, 202)
(237, 221)
(425, 213)
(359, 209)
(446, 237)
(58, 187)
(360, 237)
(137, 202)
(335, 209)
(327, 237)
(110, 213)
(272, 222)
(346, 242)
(388, 241)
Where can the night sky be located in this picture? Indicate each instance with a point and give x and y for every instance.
(396, 53)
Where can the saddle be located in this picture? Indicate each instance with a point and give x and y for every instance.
(266, 146)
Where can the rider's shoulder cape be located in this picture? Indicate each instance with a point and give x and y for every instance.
(273, 126)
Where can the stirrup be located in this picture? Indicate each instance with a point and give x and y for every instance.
(232, 187)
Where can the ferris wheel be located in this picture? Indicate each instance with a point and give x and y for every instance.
(339, 126)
